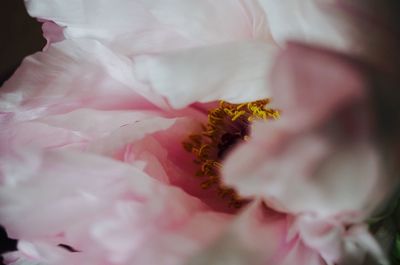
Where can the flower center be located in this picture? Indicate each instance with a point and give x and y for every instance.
(228, 125)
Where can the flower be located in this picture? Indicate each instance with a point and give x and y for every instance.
(93, 170)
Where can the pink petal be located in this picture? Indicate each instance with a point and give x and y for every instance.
(308, 84)
(338, 244)
(70, 75)
(310, 160)
(52, 32)
(105, 209)
(258, 236)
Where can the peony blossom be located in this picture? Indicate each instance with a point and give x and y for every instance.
(93, 168)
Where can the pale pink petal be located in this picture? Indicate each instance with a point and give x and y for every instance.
(336, 243)
(258, 236)
(328, 237)
(166, 160)
(52, 32)
(107, 210)
(301, 254)
(71, 75)
(150, 142)
(38, 135)
(236, 72)
(321, 173)
(76, 129)
(317, 22)
(63, 185)
(308, 84)
(312, 159)
(155, 25)
(127, 134)
(175, 235)
(96, 123)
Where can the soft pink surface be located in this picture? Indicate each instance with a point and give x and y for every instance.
(88, 162)
(194, 50)
(52, 32)
(92, 130)
(318, 162)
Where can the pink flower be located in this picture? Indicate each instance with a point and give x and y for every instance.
(92, 167)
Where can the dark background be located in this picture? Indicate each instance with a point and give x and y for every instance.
(20, 35)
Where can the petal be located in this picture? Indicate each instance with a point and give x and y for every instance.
(69, 75)
(154, 25)
(55, 195)
(258, 236)
(128, 133)
(38, 135)
(305, 174)
(96, 123)
(319, 157)
(76, 129)
(52, 32)
(165, 159)
(90, 18)
(336, 243)
(125, 26)
(309, 84)
(107, 210)
(235, 72)
(318, 22)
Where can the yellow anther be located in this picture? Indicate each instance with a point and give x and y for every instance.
(208, 147)
(238, 114)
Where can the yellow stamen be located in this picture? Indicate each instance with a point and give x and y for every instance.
(227, 124)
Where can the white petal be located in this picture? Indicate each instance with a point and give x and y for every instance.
(346, 178)
(236, 72)
(312, 21)
(154, 25)
(208, 21)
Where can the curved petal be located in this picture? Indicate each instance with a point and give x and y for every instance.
(236, 72)
(225, 66)
(155, 25)
(258, 236)
(71, 75)
(318, 22)
(308, 84)
(319, 157)
(305, 173)
(106, 210)
(336, 243)
(209, 21)
(51, 32)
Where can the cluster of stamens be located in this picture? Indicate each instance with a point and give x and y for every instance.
(228, 125)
